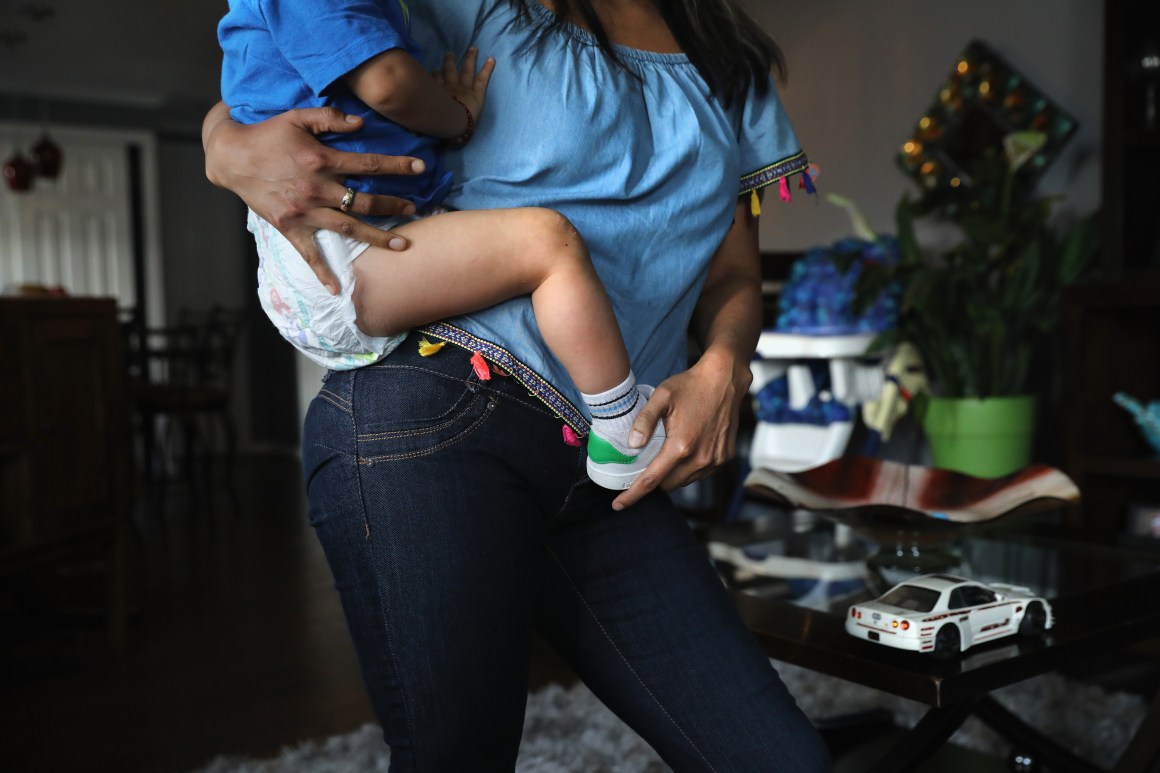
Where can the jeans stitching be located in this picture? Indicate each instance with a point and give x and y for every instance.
(572, 490)
(379, 597)
(416, 432)
(402, 433)
(336, 401)
(428, 451)
(428, 371)
(536, 384)
(537, 406)
(628, 665)
(408, 713)
(336, 396)
(524, 403)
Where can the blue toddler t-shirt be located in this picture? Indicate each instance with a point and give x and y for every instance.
(284, 54)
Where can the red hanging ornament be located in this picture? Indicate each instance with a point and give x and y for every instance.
(19, 172)
(47, 157)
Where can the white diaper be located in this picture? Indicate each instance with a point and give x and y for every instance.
(319, 324)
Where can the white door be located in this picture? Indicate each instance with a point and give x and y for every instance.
(76, 231)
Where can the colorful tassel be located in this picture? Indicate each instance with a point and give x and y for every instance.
(783, 189)
(428, 349)
(808, 182)
(479, 365)
(570, 437)
(754, 203)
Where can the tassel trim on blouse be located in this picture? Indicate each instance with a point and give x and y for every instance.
(486, 355)
(779, 173)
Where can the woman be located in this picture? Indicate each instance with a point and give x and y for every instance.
(452, 499)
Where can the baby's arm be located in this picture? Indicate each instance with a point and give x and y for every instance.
(394, 84)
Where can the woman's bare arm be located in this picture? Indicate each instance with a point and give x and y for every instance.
(701, 407)
(290, 179)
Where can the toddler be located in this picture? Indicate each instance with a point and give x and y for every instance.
(359, 57)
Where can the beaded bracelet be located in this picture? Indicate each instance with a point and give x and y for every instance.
(462, 139)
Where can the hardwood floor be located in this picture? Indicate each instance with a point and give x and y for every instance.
(237, 643)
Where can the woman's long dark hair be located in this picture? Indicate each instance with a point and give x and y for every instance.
(730, 50)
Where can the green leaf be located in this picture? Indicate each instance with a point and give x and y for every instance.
(908, 244)
(1080, 247)
(984, 227)
(1021, 147)
(858, 222)
(978, 310)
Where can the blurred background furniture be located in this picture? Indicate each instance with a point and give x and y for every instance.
(818, 384)
(1112, 347)
(66, 463)
(1095, 590)
(1110, 341)
(182, 389)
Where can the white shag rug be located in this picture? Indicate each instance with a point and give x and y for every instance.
(567, 730)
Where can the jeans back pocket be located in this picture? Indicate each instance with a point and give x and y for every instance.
(403, 411)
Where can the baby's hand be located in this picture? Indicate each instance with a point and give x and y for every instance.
(463, 82)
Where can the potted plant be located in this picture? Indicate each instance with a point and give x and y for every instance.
(977, 310)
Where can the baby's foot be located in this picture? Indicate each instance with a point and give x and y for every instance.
(614, 466)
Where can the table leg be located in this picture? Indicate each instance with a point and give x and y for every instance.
(924, 739)
(1143, 752)
(1028, 739)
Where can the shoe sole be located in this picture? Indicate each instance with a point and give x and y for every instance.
(617, 481)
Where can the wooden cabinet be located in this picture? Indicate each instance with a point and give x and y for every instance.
(1131, 154)
(1112, 328)
(65, 446)
(1112, 345)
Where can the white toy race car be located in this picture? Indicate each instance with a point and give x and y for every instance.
(944, 615)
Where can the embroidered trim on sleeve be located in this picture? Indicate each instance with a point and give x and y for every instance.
(774, 172)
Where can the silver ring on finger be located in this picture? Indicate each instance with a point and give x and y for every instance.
(347, 200)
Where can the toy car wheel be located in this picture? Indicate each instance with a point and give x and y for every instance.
(947, 642)
(1034, 621)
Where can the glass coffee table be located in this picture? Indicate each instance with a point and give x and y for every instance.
(1105, 598)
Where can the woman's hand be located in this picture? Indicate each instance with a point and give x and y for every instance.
(295, 182)
(701, 409)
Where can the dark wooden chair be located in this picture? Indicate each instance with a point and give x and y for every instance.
(182, 389)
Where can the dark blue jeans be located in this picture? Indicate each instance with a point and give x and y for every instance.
(456, 520)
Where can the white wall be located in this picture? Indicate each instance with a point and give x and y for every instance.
(862, 73)
(205, 234)
(308, 379)
(205, 260)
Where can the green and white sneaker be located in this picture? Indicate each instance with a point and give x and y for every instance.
(614, 469)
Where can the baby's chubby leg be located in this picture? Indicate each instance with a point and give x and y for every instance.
(459, 262)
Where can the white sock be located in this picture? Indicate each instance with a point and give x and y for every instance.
(614, 411)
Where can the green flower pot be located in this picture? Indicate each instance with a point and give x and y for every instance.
(986, 438)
